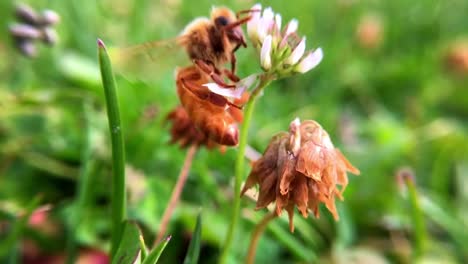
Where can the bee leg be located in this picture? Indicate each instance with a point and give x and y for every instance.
(232, 74)
(211, 71)
(248, 11)
(202, 93)
(234, 105)
(237, 23)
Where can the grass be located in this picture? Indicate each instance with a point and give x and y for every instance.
(388, 107)
(118, 196)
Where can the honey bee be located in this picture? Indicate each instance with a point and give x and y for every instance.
(211, 113)
(210, 44)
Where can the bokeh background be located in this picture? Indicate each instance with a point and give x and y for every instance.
(392, 92)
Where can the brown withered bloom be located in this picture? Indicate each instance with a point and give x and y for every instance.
(184, 132)
(301, 168)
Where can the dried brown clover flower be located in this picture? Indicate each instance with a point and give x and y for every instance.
(301, 168)
(184, 132)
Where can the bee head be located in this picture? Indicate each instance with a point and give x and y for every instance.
(224, 19)
(222, 16)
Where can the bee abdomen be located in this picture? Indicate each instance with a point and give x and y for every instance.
(222, 129)
(213, 120)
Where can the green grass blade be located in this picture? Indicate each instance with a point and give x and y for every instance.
(194, 248)
(153, 257)
(83, 188)
(144, 249)
(118, 156)
(129, 249)
(295, 246)
(9, 245)
(417, 216)
(454, 226)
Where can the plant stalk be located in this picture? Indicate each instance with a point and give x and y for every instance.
(175, 196)
(265, 79)
(256, 234)
(420, 233)
(118, 199)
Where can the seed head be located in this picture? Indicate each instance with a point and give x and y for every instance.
(300, 168)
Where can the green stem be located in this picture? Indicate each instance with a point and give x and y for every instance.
(417, 218)
(240, 162)
(118, 199)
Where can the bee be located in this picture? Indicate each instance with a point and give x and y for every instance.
(211, 113)
(210, 43)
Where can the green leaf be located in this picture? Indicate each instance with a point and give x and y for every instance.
(194, 247)
(118, 198)
(157, 251)
(454, 226)
(129, 249)
(144, 249)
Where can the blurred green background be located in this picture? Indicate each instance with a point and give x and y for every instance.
(391, 91)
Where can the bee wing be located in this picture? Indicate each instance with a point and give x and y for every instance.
(150, 59)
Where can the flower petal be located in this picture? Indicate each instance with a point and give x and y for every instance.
(265, 53)
(258, 11)
(232, 93)
(278, 22)
(247, 81)
(291, 27)
(252, 24)
(268, 14)
(297, 53)
(266, 23)
(310, 61)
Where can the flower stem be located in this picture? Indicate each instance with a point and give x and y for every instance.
(118, 198)
(257, 232)
(176, 193)
(420, 235)
(240, 162)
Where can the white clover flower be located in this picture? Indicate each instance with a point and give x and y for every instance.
(265, 53)
(282, 51)
(310, 61)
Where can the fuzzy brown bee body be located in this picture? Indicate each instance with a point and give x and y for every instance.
(210, 43)
(208, 111)
(214, 40)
